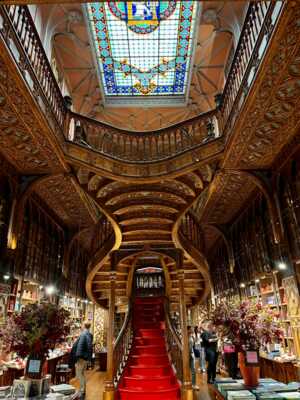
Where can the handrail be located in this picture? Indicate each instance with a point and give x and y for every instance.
(174, 345)
(103, 231)
(189, 237)
(19, 28)
(257, 28)
(147, 146)
(122, 346)
(192, 231)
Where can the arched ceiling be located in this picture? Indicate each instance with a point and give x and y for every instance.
(66, 36)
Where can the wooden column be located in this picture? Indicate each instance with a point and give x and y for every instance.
(187, 391)
(109, 390)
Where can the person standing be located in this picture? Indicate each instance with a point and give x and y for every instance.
(230, 358)
(210, 343)
(202, 361)
(197, 346)
(192, 356)
(83, 354)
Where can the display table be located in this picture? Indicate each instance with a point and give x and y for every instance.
(282, 371)
(11, 373)
(76, 396)
(52, 363)
(268, 388)
(7, 376)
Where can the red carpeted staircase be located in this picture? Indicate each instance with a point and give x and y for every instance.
(148, 374)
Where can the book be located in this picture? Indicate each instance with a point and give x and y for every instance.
(290, 395)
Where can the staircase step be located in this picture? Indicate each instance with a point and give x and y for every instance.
(150, 359)
(149, 370)
(152, 349)
(148, 300)
(161, 394)
(148, 341)
(150, 332)
(154, 383)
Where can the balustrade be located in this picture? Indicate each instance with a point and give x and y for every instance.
(102, 233)
(258, 26)
(174, 345)
(18, 31)
(122, 347)
(146, 146)
(191, 231)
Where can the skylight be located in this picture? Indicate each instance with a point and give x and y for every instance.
(143, 50)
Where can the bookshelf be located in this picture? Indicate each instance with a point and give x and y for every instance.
(270, 292)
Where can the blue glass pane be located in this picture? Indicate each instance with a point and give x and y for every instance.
(143, 48)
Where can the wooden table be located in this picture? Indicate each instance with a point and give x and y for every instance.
(52, 363)
(9, 375)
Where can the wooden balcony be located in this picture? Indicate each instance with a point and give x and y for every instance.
(181, 141)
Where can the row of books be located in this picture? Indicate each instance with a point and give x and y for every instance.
(268, 389)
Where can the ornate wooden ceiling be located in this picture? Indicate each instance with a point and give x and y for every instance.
(146, 210)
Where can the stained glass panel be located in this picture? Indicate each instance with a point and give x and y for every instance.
(143, 48)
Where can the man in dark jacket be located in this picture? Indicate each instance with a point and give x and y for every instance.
(84, 353)
(210, 343)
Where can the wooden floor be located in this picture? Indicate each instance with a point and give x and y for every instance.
(95, 386)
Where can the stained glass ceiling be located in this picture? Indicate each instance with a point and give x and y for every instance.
(143, 50)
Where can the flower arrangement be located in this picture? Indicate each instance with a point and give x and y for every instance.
(38, 328)
(247, 325)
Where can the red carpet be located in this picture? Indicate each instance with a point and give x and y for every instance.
(148, 374)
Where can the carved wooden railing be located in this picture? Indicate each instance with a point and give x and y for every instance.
(258, 27)
(19, 33)
(103, 231)
(103, 241)
(122, 347)
(174, 344)
(147, 146)
(191, 231)
(21, 36)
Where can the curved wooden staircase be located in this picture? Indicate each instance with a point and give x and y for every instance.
(147, 217)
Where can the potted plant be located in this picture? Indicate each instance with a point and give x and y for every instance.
(33, 332)
(248, 326)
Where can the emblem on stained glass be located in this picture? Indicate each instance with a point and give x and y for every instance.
(142, 16)
(143, 48)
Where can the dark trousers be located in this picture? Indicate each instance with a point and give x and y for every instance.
(231, 362)
(212, 359)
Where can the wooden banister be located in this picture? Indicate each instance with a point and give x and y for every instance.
(19, 27)
(103, 231)
(174, 344)
(192, 232)
(122, 346)
(143, 146)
